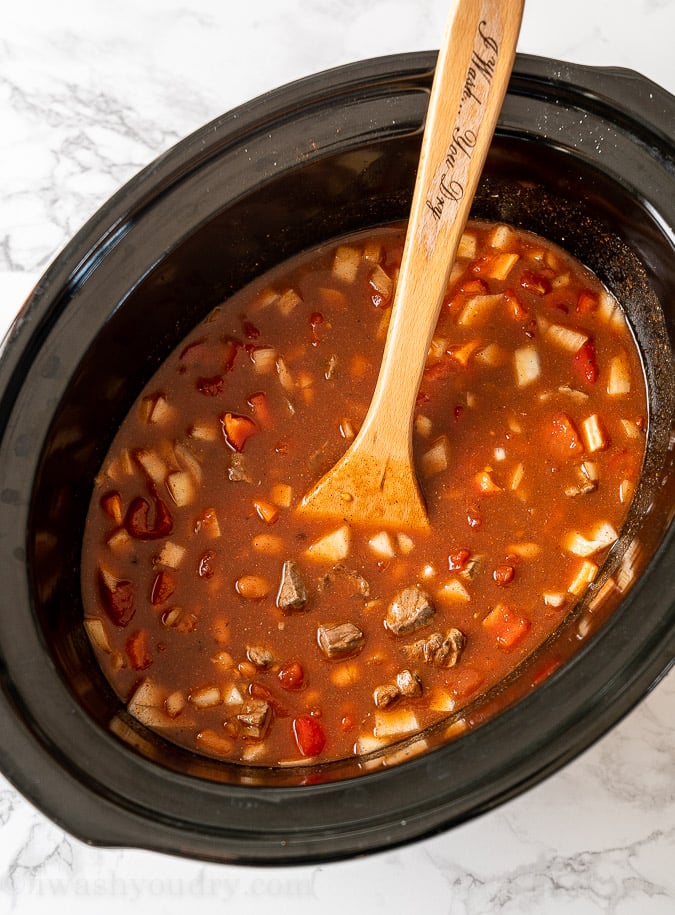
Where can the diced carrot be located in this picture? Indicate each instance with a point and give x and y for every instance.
(507, 626)
(587, 303)
(111, 503)
(162, 588)
(237, 430)
(138, 650)
(261, 409)
(565, 440)
(266, 511)
(585, 364)
(535, 282)
(515, 308)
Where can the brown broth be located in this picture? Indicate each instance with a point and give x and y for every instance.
(529, 440)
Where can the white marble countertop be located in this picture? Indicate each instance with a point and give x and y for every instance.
(89, 93)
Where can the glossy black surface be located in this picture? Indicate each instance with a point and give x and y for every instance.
(586, 157)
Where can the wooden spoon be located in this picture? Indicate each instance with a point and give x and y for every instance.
(375, 480)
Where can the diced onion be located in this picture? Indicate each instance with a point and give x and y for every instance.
(595, 438)
(585, 575)
(477, 308)
(397, 721)
(264, 359)
(565, 337)
(467, 246)
(382, 545)
(346, 263)
(435, 459)
(619, 381)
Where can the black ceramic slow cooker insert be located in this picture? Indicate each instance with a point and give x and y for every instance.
(584, 157)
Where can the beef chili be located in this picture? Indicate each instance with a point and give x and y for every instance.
(243, 631)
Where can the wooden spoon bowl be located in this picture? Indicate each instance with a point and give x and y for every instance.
(375, 480)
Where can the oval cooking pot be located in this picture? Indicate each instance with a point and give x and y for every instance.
(585, 157)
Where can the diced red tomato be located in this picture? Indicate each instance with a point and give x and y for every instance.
(458, 559)
(466, 681)
(138, 650)
(291, 675)
(111, 503)
(138, 524)
(565, 440)
(309, 735)
(507, 626)
(237, 430)
(503, 575)
(585, 364)
(259, 403)
(162, 588)
(535, 282)
(119, 601)
(587, 303)
(514, 306)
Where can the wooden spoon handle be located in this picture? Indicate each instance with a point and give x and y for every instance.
(470, 82)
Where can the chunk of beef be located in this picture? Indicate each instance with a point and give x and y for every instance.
(255, 718)
(409, 684)
(292, 594)
(439, 650)
(341, 640)
(409, 610)
(259, 656)
(385, 695)
(359, 584)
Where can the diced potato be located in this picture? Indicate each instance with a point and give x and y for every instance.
(152, 464)
(347, 430)
(231, 695)
(224, 660)
(630, 428)
(423, 425)
(565, 337)
(500, 266)
(583, 578)
(394, 722)
(147, 705)
(287, 302)
(332, 547)
(437, 349)
(204, 432)
(264, 359)
(372, 251)
(554, 598)
(95, 629)
(428, 571)
(171, 555)
(346, 263)
(437, 458)
(594, 435)
(602, 535)
(175, 703)
(120, 540)
(467, 246)
(477, 309)
(345, 674)
(156, 409)
(491, 355)
(188, 461)
(405, 544)
(181, 487)
(281, 494)
(527, 364)
(454, 590)
(500, 237)
(609, 310)
(626, 490)
(265, 298)
(382, 545)
(499, 454)
(271, 544)
(560, 281)
(285, 377)
(619, 380)
(525, 549)
(381, 282)
(441, 701)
